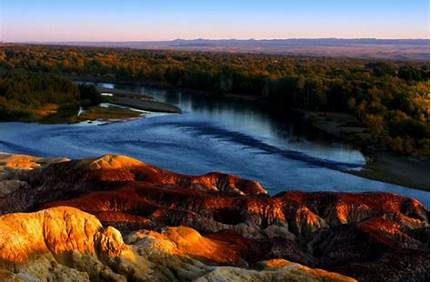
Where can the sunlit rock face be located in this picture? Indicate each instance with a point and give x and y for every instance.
(59, 244)
(66, 244)
(367, 236)
(10, 162)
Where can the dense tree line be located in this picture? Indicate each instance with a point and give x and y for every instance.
(390, 98)
(32, 96)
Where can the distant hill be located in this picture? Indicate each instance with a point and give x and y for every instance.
(399, 49)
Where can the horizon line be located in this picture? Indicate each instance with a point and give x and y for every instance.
(215, 39)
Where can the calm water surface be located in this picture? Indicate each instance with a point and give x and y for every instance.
(217, 135)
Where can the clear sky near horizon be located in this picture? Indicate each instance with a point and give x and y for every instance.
(134, 20)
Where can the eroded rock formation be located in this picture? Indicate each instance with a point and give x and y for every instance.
(367, 236)
(66, 244)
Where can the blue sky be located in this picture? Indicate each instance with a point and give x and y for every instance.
(129, 20)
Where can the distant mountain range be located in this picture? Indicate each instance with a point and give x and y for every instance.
(402, 49)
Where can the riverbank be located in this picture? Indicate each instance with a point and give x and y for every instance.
(405, 171)
(381, 164)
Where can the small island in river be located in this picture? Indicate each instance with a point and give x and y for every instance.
(26, 98)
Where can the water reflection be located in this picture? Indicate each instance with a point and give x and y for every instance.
(250, 119)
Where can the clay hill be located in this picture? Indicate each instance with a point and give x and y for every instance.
(115, 218)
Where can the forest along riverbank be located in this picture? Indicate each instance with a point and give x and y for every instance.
(63, 101)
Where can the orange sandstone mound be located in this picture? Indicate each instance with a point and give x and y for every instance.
(8, 161)
(66, 244)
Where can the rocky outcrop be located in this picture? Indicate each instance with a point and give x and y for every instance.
(66, 244)
(59, 244)
(368, 236)
(15, 167)
(25, 162)
(64, 179)
(18, 162)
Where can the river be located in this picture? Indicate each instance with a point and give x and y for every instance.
(235, 137)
